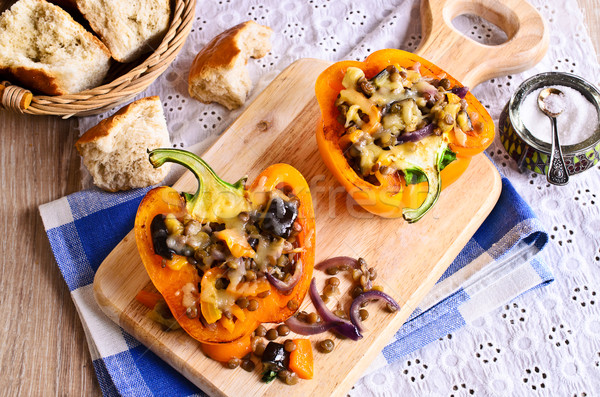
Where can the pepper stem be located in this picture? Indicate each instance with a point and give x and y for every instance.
(411, 215)
(214, 200)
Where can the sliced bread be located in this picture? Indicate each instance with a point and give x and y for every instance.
(128, 28)
(115, 150)
(219, 74)
(43, 48)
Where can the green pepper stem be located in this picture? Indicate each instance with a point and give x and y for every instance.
(411, 215)
(215, 200)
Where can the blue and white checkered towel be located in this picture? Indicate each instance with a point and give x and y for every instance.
(496, 265)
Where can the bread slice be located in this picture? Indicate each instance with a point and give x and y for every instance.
(218, 73)
(128, 28)
(46, 50)
(115, 150)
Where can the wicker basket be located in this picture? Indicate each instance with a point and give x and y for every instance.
(126, 80)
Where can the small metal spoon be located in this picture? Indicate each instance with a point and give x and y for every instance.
(557, 169)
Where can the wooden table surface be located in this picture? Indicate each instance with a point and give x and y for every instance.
(44, 351)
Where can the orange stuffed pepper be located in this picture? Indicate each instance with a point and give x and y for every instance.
(396, 130)
(227, 258)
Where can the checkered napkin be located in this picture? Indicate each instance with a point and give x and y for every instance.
(498, 264)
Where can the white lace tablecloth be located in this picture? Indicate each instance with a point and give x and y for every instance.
(545, 342)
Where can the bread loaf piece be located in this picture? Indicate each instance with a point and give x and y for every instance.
(115, 150)
(43, 48)
(128, 28)
(218, 73)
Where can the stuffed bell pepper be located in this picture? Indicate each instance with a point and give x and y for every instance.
(396, 130)
(228, 258)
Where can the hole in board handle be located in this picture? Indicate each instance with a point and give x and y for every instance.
(480, 30)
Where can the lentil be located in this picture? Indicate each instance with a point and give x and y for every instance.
(364, 314)
(264, 294)
(302, 316)
(332, 270)
(221, 283)
(445, 83)
(282, 374)
(248, 365)
(313, 318)
(372, 273)
(356, 291)
(363, 281)
(253, 305)
(289, 345)
(260, 330)
(292, 304)
(233, 363)
(250, 275)
(271, 334)
(333, 281)
(340, 313)
(242, 302)
(283, 330)
(366, 87)
(291, 378)
(326, 346)
(328, 290)
(390, 308)
(259, 349)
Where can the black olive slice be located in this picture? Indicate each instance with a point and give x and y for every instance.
(159, 232)
(279, 217)
(275, 357)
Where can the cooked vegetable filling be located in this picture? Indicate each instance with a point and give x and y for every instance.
(397, 125)
(232, 257)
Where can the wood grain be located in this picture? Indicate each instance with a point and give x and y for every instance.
(342, 228)
(44, 350)
(471, 62)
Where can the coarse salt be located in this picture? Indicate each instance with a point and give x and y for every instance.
(576, 123)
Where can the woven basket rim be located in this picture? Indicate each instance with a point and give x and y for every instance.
(123, 87)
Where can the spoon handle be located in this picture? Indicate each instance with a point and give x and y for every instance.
(557, 169)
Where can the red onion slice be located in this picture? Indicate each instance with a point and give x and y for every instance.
(338, 261)
(301, 328)
(211, 327)
(460, 92)
(342, 326)
(415, 136)
(364, 297)
(291, 283)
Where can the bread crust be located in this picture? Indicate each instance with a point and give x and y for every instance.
(222, 54)
(104, 127)
(105, 35)
(36, 79)
(115, 150)
(44, 81)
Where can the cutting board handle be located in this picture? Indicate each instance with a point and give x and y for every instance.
(471, 62)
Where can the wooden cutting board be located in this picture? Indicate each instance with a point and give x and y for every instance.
(279, 126)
